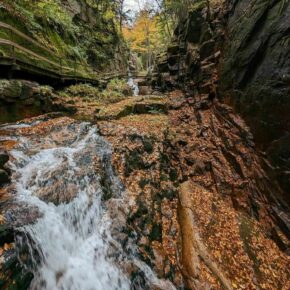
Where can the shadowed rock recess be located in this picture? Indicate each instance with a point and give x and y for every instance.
(184, 189)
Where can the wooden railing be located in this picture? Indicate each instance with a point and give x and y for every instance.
(50, 60)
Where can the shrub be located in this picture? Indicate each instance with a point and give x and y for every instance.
(82, 90)
(119, 85)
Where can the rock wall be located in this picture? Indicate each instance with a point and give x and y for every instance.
(255, 76)
(191, 60)
(74, 30)
(231, 53)
(21, 99)
(238, 51)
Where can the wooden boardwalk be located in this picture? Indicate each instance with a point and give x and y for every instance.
(14, 57)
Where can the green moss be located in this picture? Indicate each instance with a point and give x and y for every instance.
(69, 39)
(21, 281)
(111, 94)
(198, 5)
(164, 161)
(148, 144)
(156, 232)
(143, 182)
(169, 193)
(164, 177)
(173, 174)
(133, 162)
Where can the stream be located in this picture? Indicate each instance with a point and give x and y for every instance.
(69, 208)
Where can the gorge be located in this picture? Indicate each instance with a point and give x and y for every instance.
(182, 186)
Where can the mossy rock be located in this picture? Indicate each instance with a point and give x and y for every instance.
(156, 232)
(135, 105)
(133, 162)
(10, 89)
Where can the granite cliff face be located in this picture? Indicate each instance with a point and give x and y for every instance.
(255, 76)
(232, 53)
(238, 52)
(204, 199)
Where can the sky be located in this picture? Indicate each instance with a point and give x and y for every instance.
(136, 5)
(133, 5)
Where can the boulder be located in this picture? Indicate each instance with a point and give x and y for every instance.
(10, 89)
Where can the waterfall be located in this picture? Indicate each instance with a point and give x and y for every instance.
(62, 176)
(133, 85)
(72, 238)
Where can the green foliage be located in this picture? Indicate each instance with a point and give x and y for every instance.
(119, 85)
(52, 12)
(81, 90)
(115, 91)
(90, 36)
(45, 90)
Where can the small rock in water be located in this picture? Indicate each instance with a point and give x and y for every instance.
(4, 177)
(3, 159)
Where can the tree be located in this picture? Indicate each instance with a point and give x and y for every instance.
(143, 36)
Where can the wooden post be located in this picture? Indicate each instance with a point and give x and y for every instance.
(75, 67)
(60, 63)
(13, 53)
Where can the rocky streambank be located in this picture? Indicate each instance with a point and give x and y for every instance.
(20, 99)
(237, 52)
(196, 174)
(198, 197)
(202, 206)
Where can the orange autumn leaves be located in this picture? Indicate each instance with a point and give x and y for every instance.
(143, 36)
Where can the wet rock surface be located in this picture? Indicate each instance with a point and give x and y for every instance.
(198, 198)
(231, 201)
(4, 173)
(133, 105)
(205, 206)
(139, 156)
(21, 99)
(210, 201)
(60, 191)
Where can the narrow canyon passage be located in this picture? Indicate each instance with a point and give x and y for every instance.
(144, 145)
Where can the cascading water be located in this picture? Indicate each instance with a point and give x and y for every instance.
(62, 173)
(133, 85)
(73, 238)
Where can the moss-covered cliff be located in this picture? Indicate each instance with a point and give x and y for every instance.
(75, 31)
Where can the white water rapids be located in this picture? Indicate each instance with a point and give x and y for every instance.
(133, 85)
(64, 177)
(72, 238)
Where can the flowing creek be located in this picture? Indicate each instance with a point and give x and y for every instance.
(69, 208)
(133, 85)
